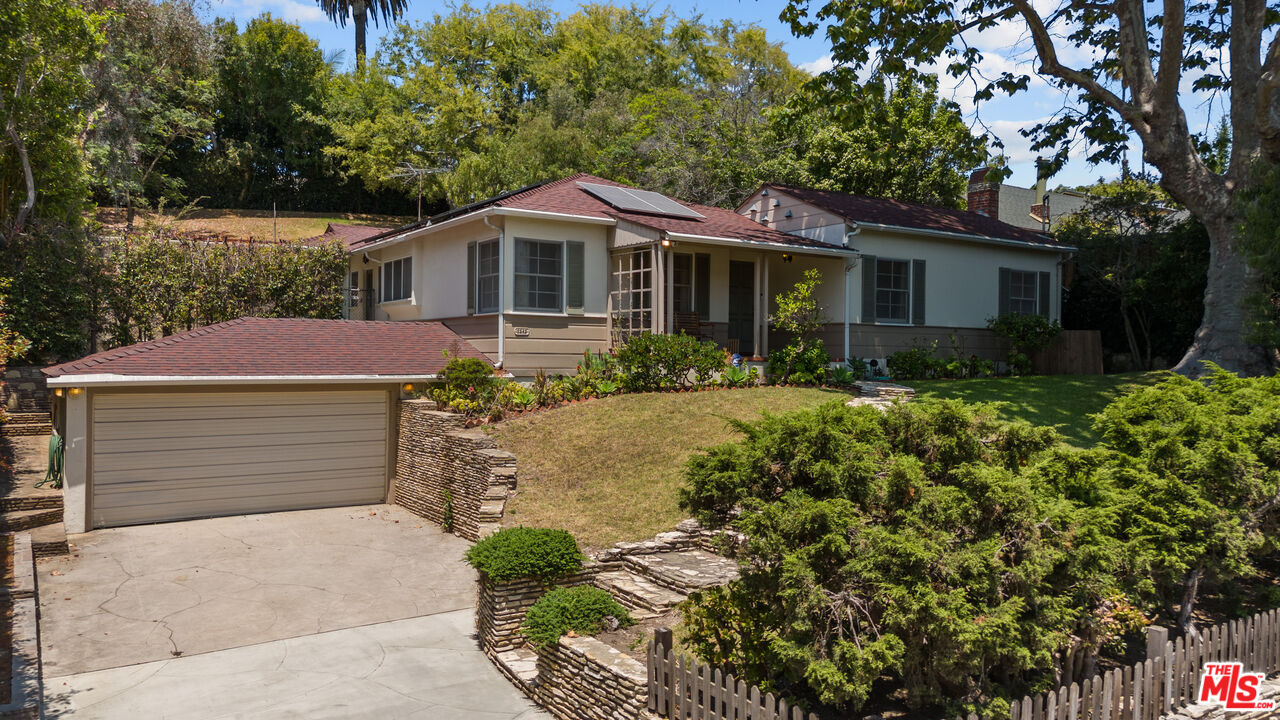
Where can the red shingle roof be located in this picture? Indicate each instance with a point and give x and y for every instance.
(565, 197)
(348, 235)
(283, 347)
(883, 211)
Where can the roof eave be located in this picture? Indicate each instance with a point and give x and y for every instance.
(485, 212)
(781, 247)
(108, 379)
(967, 237)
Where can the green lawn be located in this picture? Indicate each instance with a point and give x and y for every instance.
(1065, 400)
(607, 470)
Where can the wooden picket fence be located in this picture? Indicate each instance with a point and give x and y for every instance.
(1168, 679)
(684, 690)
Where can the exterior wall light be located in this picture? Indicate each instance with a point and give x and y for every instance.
(408, 388)
(57, 392)
(76, 391)
(666, 242)
(786, 257)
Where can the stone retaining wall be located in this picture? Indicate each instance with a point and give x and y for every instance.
(577, 678)
(23, 389)
(26, 692)
(500, 608)
(582, 678)
(444, 469)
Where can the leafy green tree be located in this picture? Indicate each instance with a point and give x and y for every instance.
(267, 144)
(804, 359)
(902, 142)
(151, 87)
(43, 46)
(1139, 269)
(359, 11)
(1261, 230)
(1132, 68)
(56, 276)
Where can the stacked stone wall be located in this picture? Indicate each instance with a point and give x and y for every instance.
(454, 476)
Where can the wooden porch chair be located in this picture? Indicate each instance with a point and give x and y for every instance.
(687, 323)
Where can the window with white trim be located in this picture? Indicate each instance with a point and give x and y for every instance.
(397, 279)
(893, 290)
(1024, 292)
(488, 276)
(632, 292)
(539, 276)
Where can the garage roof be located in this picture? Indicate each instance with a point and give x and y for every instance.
(284, 349)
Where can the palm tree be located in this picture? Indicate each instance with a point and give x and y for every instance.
(339, 10)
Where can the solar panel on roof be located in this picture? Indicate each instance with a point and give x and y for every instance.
(643, 201)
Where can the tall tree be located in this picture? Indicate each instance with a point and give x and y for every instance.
(904, 142)
(359, 11)
(1133, 68)
(151, 87)
(43, 44)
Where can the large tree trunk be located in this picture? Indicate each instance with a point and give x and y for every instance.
(1222, 336)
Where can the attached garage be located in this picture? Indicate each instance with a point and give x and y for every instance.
(251, 416)
(176, 455)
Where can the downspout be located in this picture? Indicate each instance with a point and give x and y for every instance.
(849, 265)
(502, 289)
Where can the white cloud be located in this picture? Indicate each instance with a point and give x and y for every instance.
(819, 66)
(290, 10)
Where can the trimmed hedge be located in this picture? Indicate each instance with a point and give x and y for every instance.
(522, 552)
(581, 609)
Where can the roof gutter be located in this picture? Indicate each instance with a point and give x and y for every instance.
(482, 214)
(107, 379)
(968, 237)
(734, 242)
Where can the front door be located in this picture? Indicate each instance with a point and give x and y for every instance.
(367, 295)
(742, 306)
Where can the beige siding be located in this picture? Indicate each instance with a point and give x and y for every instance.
(806, 220)
(628, 234)
(553, 343)
(173, 455)
(479, 330)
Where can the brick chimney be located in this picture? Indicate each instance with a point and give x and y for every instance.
(983, 196)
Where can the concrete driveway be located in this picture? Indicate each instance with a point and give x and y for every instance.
(350, 612)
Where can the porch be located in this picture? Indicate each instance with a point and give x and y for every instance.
(722, 291)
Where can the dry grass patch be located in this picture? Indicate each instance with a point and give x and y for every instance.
(608, 470)
(255, 224)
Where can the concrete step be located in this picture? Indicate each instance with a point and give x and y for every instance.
(638, 594)
(25, 429)
(496, 492)
(684, 570)
(491, 510)
(44, 501)
(18, 520)
(49, 540)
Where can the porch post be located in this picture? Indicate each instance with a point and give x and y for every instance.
(848, 266)
(668, 295)
(762, 348)
(658, 304)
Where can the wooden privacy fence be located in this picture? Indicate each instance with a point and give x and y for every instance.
(1168, 679)
(685, 690)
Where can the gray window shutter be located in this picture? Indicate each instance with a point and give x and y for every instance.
(917, 292)
(1005, 281)
(575, 283)
(868, 288)
(471, 278)
(702, 281)
(1043, 288)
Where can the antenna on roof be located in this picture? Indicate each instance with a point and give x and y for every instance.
(409, 170)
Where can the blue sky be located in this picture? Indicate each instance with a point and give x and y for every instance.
(1005, 48)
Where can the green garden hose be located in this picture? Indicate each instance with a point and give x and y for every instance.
(53, 476)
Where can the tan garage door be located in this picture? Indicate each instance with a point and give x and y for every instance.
(170, 456)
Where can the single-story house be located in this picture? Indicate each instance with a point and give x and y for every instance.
(247, 416)
(534, 277)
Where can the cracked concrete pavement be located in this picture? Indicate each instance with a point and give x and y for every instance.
(425, 667)
(316, 613)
